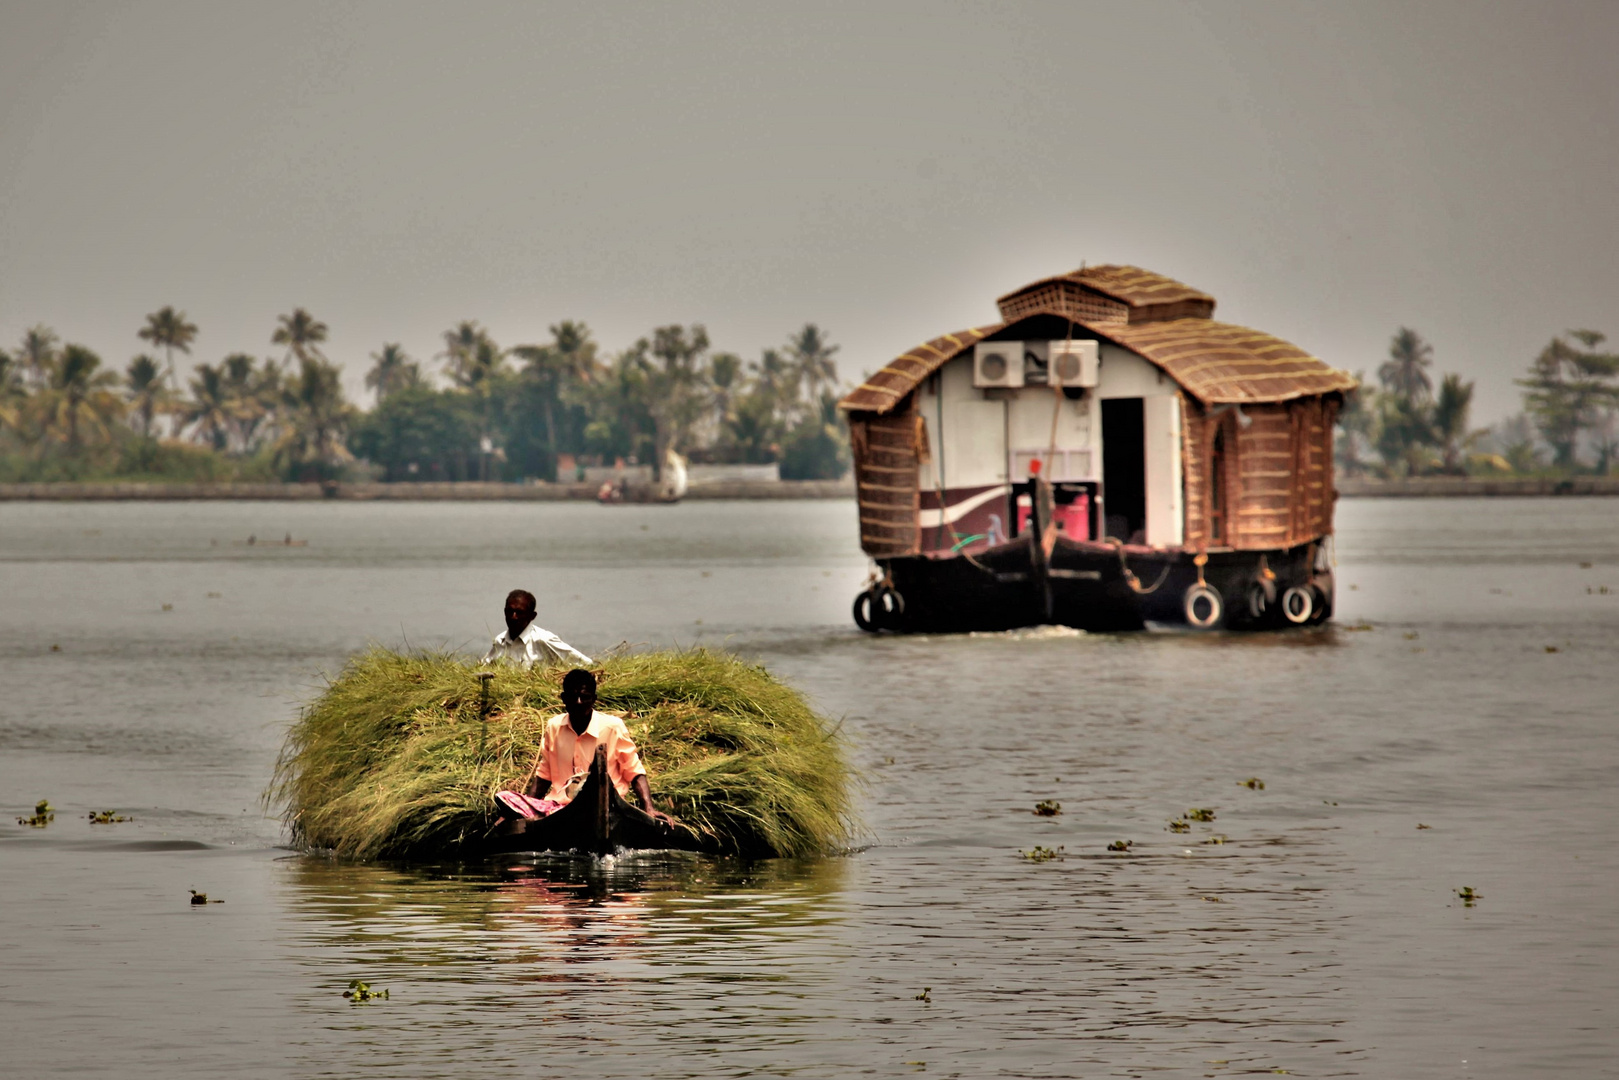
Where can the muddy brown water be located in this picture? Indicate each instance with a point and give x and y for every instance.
(1324, 937)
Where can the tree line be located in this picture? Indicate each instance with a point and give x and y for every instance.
(1406, 426)
(499, 413)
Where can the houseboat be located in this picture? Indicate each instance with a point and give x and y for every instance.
(1107, 457)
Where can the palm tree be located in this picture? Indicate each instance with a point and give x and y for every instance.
(302, 334)
(392, 371)
(1450, 421)
(676, 384)
(168, 330)
(36, 355)
(569, 360)
(812, 362)
(12, 394)
(210, 407)
(315, 420)
(143, 380)
(723, 369)
(79, 395)
(1406, 370)
(252, 394)
(1568, 389)
(461, 348)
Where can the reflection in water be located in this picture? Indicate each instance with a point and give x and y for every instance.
(605, 956)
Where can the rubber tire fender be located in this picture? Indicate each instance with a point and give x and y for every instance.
(1261, 600)
(1210, 596)
(1323, 606)
(866, 611)
(890, 607)
(1298, 604)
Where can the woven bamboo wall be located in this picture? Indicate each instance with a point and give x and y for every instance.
(1197, 437)
(886, 479)
(1278, 474)
(1067, 299)
(1262, 507)
(1313, 489)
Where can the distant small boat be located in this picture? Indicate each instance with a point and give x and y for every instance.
(670, 489)
(599, 821)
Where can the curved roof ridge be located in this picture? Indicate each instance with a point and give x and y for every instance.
(1130, 285)
(1215, 362)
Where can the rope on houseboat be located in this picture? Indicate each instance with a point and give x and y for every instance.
(1134, 582)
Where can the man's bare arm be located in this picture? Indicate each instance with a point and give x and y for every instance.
(643, 795)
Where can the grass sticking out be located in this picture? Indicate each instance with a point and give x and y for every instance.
(387, 762)
(1041, 854)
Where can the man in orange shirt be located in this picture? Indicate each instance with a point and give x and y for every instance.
(566, 750)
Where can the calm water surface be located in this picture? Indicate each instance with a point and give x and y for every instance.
(150, 660)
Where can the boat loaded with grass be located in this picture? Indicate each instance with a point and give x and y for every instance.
(402, 755)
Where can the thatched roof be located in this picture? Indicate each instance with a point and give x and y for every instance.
(1215, 362)
(905, 372)
(1220, 362)
(1137, 295)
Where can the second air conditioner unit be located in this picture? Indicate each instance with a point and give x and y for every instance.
(1072, 363)
(997, 363)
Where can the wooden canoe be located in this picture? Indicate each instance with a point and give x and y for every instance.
(598, 821)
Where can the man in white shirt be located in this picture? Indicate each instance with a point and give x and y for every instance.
(522, 644)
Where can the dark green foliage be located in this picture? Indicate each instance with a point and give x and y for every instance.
(1572, 388)
(509, 414)
(817, 448)
(420, 434)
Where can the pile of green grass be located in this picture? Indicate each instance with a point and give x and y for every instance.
(387, 762)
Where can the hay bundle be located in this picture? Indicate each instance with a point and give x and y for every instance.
(387, 761)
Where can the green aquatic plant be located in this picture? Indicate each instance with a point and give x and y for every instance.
(1200, 813)
(202, 898)
(1217, 838)
(1047, 808)
(1041, 854)
(44, 814)
(106, 817)
(1177, 825)
(1253, 783)
(1468, 896)
(1120, 845)
(387, 761)
(361, 991)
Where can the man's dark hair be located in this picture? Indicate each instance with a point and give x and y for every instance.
(524, 595)
(578, 679)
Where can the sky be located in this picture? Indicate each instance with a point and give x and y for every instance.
(1329, 172)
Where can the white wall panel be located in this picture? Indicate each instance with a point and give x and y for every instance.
(970, 435)
(1166, 512)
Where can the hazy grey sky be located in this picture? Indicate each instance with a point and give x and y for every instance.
(1329, 171)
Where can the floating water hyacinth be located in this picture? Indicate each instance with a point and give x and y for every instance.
(44, 814)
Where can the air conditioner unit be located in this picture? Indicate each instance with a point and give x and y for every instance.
(997, 363)
(1072, 363)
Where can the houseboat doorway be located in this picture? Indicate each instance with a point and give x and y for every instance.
(1124, 468)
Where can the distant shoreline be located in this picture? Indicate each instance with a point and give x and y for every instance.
(1429, 487)
(471, 491)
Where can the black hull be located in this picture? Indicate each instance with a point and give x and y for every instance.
(1089, 586)
(598, 821)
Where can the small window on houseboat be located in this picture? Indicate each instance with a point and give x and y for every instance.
(1217, 489)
